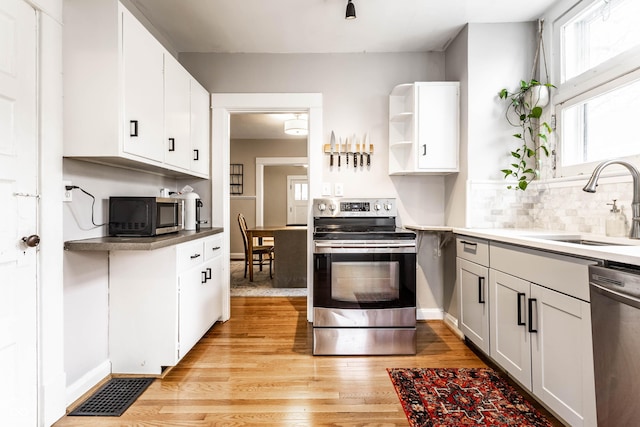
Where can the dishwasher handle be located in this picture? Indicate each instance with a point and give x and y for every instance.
(615, 295)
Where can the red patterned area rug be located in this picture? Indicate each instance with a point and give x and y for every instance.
(462, 397)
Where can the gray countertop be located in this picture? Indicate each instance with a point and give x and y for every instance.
(621, 249)
(108, 243)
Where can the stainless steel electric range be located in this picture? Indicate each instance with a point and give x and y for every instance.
(364, 279)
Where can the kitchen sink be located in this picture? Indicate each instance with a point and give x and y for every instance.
(580, 240)
(589, 242)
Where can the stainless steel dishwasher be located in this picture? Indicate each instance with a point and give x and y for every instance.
(615, 319)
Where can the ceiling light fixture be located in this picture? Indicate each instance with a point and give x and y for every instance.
(351, 11)
(295, 126)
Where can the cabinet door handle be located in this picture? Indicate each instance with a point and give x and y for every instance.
(194, 256)
(172, 144)
(204, 277)
(464, 242)
(215, 248)
(480, 289)
(208, 274)
(196, 154)
(531, 301)
(424, 149)
(133, 128)
(521, 295)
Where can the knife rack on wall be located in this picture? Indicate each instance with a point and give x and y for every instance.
(346, 149)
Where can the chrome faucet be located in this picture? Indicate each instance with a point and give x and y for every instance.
(634, 233)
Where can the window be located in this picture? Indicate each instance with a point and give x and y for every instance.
(598, 98)
(602, 127)
(604, 30)
(301, 191)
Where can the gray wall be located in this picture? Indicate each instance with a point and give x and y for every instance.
(245, 151)
(355, 90)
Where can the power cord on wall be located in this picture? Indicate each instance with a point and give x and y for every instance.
(73, 187)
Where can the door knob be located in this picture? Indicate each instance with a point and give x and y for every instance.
(31, 241)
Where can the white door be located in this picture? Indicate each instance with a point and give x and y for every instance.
(297, 199)
(508, 320)
(18, 186)
(562, 356)
(177, 118)
(143, 63)
(474, 302)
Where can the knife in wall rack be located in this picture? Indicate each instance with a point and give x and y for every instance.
(346, 150)
(339, 145)
(354, 150)
(368, 152)
(362, 148)
(333, 148)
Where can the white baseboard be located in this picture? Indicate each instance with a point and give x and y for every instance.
(87, 381)
(429, 314)
(452, 323)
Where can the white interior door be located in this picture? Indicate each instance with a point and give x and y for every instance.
(18, 187)
(297, 199)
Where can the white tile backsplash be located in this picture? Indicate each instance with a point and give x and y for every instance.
(548, 205)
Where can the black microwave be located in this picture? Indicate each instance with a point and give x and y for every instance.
(144, 216)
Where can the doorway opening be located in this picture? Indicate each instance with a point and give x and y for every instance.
(226, 107)
(264, 203)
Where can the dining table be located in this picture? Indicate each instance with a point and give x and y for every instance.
(261, 231)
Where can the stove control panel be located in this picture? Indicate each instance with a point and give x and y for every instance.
(354, 207)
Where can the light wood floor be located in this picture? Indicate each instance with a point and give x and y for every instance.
(257, 370)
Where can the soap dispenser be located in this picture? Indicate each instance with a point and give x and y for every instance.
(616, 225)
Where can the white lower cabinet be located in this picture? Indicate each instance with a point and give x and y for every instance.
(161, 302)
(474, 301)
(540, 336)
(472, 267)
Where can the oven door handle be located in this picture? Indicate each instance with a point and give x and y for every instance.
(365, 245)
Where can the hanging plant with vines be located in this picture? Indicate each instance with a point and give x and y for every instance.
(524, 111)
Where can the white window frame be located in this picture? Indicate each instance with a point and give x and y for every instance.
(615, 72)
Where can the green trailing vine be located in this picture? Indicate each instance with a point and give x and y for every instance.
(524, 112)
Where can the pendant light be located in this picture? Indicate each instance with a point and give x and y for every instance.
(351, 11)
(295, 126)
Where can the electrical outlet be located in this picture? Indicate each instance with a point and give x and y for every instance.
(67, 195)
(338, 189)
(326, 189)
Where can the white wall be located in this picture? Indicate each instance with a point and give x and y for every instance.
(500, 56)
(485, 58)
(86, 351)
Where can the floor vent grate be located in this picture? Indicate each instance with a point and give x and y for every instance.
(113, 398)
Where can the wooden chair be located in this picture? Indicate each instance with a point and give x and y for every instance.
(259, 251)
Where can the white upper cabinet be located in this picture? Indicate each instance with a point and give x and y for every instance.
(200, 113)
(127, 100)
(177, 107)
(424, 128)
(142, 64)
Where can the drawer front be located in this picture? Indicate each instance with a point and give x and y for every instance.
(561, 273)
(190, 254)
(473, 249)
(213, 247)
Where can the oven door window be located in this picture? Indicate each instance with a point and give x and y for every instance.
(365, 282)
